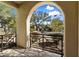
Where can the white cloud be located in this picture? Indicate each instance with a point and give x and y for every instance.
(49, 7)
(54, 13)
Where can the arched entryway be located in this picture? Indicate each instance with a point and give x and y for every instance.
(71, 23)
(50, 4)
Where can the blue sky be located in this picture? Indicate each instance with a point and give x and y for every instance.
(47, 8)
(51, 10)
(13, 11)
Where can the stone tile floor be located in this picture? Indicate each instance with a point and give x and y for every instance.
(29, 52)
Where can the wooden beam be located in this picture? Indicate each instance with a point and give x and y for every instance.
(11, 3)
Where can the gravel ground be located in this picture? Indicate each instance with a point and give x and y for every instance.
(30, 52)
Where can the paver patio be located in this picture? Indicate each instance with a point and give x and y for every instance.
(30, 52)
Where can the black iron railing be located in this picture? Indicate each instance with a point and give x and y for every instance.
(7, 41)
(52, 42)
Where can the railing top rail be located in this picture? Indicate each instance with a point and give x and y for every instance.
(48, 33)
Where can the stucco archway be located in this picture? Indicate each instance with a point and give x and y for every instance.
(29, 17)
(71, 24)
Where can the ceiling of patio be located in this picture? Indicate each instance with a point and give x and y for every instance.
(14, 3)
(19, 2)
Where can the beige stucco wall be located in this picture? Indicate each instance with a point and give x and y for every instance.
(78, 28)
(22, 13)
(71, 25)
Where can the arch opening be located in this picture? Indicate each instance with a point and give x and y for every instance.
(45, 17)
(7, 26)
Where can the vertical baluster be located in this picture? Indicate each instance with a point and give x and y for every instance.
(1, 43)
(43, 41)
(62, 46)
(30, 40)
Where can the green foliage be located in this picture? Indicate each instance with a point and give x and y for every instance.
(57, 25)
(38, 19)
(7, 17)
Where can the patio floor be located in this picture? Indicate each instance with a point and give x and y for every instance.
(30, 52)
